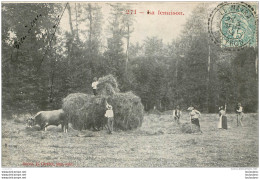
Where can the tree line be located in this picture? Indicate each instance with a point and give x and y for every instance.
(51, 63)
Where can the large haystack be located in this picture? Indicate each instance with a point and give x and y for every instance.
(86, 111)
(75, 107)
(128, 110)
(96, 112)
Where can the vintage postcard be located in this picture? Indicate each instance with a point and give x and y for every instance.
(130, 85)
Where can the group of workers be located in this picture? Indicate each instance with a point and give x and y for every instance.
(195, 114)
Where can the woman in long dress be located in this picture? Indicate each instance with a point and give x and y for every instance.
(222, 118)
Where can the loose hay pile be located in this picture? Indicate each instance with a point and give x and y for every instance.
(189, 128)
(95, 113)
(107, 85)
(128, 110)
(75, 107)
(106, 90)
(85, 111)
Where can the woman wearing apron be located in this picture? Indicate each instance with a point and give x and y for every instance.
(222, 118)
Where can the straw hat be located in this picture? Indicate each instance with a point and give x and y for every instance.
(190, 108)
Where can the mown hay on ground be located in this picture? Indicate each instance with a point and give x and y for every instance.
(21, 118)
(189, 128)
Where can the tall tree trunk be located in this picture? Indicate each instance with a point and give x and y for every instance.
(127, 48)
(70, 48)
(208, 80)
(52, 75)
(77, 29)
(72, 32)
(176, 82)
(72, 36)
(70, 20)
(90, 27)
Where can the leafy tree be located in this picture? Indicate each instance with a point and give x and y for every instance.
(25, 43)
(115, 56)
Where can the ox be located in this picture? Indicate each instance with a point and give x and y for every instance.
(47, 118)
(30, 122)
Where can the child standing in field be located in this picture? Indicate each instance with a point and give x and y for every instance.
(240, 114)
(110, 118)
(177, 114)
(194, 117)
(94, 86)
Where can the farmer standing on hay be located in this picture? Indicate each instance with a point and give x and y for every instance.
(240, 114)
(194, 117)
(94, 86)
(222, 118)
(177, 114)
(110, 118)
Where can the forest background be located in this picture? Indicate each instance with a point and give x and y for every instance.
(42, 63)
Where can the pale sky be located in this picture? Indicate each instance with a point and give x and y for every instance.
(166, 27)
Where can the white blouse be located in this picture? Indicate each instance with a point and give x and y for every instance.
(194, 114)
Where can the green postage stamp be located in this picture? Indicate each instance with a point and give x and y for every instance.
(233, 25)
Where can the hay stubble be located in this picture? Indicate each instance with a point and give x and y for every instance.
(143, 147)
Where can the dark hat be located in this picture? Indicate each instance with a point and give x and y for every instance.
(109, 107)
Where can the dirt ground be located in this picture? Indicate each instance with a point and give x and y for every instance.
(158, 143)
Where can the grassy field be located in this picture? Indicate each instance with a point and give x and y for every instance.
(158, 143)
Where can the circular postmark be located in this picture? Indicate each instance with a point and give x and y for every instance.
(233, 25)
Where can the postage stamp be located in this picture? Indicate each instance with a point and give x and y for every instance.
(233, 25)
